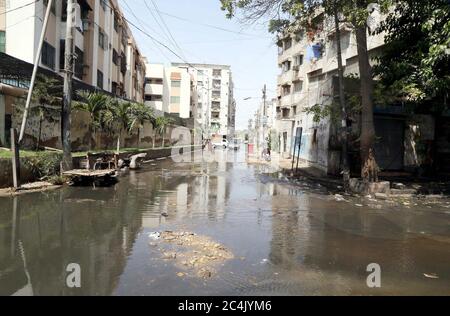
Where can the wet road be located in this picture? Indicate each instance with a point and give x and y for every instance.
(286, 239)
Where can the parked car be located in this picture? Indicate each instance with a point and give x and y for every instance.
(220, 143)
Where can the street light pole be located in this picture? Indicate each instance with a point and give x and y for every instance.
(67, 94)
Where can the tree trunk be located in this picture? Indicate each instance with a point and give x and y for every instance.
(344, 136)
(38, 145)
(163, 140)
(367, 124)
(139, 137)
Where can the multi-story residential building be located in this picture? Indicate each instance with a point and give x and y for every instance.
(169, 89)
(107, 56)
(216, 108)
(308, 66)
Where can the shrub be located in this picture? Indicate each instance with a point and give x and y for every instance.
(44, 165)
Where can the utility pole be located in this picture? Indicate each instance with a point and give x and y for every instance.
(264, 117)
(35, 68)
(344, 135)
(67, 97)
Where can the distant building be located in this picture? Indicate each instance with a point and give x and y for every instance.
(216, 107)
(170, 90)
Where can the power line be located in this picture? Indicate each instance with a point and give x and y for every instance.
(206, 24)
(138, 20)
(165, 25)
(18, 8)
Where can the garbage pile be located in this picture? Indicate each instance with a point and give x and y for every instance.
(194, 254)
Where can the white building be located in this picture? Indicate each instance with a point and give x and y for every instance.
(168, 89)
(308, 72)
(216, 108)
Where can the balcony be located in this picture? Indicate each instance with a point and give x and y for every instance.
(154, 89)
(285, 78)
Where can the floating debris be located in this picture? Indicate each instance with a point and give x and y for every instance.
(154, 236)
(431, 276)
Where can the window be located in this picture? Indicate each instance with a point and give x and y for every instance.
(79, 64)
(288, 44)
(101, 39)
(298, 60)
(286, 90)
(2, 41)
(286, 66)
(123, 63)
(174, 99)
(48, 55)
(99, 79)
(114, 88)
(115, 58)
(217, 72)
(298, 86)
(153, 97)
(153, 81)
(176, 84)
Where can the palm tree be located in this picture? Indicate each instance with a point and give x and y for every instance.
(161, 124)
(95, 104)
(46, 100)
(139, 114)
(122, 116)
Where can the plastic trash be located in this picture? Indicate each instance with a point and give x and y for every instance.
(154, 235)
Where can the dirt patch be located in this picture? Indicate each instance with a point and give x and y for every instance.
(196, 255)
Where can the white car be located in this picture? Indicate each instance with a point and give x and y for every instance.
(220, 144)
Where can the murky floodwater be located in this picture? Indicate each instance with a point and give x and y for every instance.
(286, 240)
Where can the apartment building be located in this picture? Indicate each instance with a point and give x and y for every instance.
(216, 108)
(107, 56)
(170, 90)
(308, 73)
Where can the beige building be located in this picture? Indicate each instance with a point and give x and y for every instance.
(107, 56)
(170, 90)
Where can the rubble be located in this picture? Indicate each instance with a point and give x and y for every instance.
(196, 254)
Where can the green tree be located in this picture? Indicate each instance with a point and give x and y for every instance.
(415, 61)
(121, 116)
(96, 104)
(139, 115)
(161, 124)
(46, 103)
(294, 15)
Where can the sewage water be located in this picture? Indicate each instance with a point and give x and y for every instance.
(286, 239)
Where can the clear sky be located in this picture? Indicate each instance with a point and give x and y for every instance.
(196, 26)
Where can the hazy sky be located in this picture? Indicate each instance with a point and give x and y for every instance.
(196, 28)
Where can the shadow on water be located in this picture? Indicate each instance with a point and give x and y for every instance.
(286, 239)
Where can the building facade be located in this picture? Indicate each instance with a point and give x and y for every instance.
(107, 56)
(170, 90)
(216, 108)
(308, 72)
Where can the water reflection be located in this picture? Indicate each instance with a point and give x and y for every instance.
(286, 239)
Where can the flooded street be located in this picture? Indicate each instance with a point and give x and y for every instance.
(285, 239)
